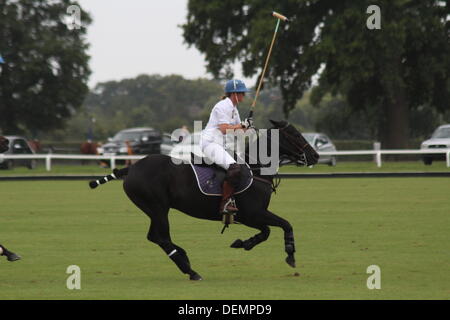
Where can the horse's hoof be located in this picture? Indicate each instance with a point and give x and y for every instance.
(290, 260)
(195, 276)
(237, 244)
(13, 257)
(93, 184)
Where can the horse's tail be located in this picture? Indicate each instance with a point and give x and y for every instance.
(117, 174)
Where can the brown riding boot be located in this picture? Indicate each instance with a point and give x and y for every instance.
(227, 205)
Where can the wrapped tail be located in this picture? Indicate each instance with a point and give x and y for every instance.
(117, 174)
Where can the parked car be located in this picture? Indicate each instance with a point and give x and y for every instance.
(321, 143)
(439, 140)
(17, 145)
(141, 140)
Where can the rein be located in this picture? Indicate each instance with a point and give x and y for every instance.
(274, 182)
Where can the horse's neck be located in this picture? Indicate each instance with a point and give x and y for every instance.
(255, 164)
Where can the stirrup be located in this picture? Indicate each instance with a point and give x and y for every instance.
(230, 203)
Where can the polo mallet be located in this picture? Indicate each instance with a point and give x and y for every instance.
(279, 17)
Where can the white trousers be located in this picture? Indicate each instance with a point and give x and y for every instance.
(217, 154)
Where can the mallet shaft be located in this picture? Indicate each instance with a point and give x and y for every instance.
(279, 17)
(265, 66)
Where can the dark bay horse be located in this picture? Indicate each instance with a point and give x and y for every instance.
(155, 184)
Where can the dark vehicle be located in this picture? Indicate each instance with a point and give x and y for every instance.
(17, 145)
(140, 140)
(439, 140)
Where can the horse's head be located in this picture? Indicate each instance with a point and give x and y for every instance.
(4, 144)
(293, 146)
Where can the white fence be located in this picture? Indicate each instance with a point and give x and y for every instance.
(377, 153)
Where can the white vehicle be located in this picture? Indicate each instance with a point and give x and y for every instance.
(439, 140)
(322, 143)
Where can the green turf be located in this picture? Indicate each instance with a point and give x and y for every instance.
(365, 166)
(352, 166)
(342, 226)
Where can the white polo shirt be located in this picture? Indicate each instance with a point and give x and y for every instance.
(224, 112)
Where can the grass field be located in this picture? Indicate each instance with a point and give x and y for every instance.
(351, 166)
(342, 226)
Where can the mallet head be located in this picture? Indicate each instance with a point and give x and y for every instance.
(279, 16)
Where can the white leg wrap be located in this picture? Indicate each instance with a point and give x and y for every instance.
(172, 253)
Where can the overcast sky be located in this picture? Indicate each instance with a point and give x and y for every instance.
(132, 37)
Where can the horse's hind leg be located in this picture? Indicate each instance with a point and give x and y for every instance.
(159, 234)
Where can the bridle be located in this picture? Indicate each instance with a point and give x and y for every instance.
(285, 159)
(299, 149)
(275, 180)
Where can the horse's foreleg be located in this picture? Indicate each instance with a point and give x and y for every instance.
(253, 241)
(289, 243)
(268, 218)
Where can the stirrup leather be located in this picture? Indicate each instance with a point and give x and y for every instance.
(228, 216)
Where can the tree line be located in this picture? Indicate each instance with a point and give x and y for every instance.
(389, 84)
(387, 75)
(169, 102)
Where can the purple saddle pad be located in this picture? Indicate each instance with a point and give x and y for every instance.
(210, 179)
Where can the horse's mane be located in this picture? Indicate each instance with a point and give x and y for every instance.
(297, 149)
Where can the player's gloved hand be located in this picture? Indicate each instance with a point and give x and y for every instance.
(247, 123)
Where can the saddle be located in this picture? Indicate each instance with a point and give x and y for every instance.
(210, 177)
